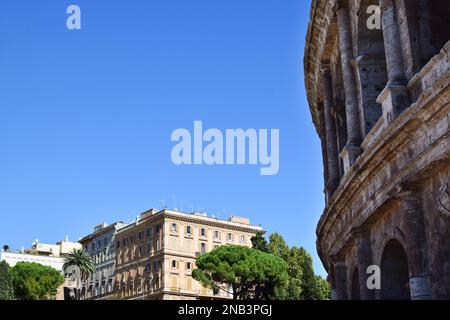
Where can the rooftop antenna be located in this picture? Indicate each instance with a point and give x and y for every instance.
(174, 202)
(181, 205)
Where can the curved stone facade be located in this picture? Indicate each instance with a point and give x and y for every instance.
(380, 100)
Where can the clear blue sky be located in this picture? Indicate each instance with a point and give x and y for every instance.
(86, 116)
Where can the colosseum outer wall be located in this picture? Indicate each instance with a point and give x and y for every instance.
(380, 100)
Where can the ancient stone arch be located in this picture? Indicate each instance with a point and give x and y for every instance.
(394, 272)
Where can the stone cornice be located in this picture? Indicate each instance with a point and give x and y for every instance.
(321, 16)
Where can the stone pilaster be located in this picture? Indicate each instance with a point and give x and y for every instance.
(340, 274)
(354, 136)
(394, 98)
(364, 260)
(419, 280)
(331, 138)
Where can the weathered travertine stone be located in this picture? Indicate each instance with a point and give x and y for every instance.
(391, 207)
(352, 149)
(331, 139)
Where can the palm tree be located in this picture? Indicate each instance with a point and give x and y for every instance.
(79, 260)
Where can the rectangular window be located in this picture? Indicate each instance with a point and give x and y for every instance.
(174, 227)
(230, 236)
(216, 234)
(118, 244)
(149, 247)
(140, 251)
(148, 267)
(124, 241)
(203, 232)
(242, 239)
(174, 264)
(149, 232)
(157, 228)
(188, 266)
(158, 245)
(188, 230)
(105, 242)
(202, 248)
(141, 235)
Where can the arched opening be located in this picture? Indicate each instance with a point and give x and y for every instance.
(394, 273)
(426, 29)
(355, 294)
(440, 23)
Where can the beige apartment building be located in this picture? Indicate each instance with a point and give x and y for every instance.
(60, 249)
(156, 254)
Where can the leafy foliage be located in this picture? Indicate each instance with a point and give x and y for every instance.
(33, 281)
(324, 290)
(303, 283)
(259, 242)
(251, 274)
(6, 282)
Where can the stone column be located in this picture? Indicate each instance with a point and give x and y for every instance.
(332, 285)
(415, 239)
(331, 138)
(364, 260)
(354, 137)
(394, 98)
(340, 274)
(341, 130)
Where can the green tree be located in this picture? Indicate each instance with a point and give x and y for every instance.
(259, 242)
(278, 246)
(33, 281)
(5, 248)
(250, 273)
(81, 263)
(324, 288)
(6, 282)
(303, 283)
(310, 290)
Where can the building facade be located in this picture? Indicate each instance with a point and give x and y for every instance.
(60, 249)
(101, 247)
(377, 74)
(156, 254)
(12, 258)
(55, 261)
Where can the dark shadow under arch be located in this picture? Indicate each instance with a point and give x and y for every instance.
(394, 273)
